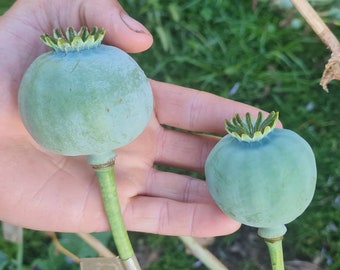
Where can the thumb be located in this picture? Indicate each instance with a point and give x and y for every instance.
(121, 30)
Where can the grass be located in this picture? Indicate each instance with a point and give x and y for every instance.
(267, 57)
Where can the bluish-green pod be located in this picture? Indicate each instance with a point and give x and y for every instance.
(84, 99)
(264, 180)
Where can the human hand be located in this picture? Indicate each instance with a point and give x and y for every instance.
(45, 191)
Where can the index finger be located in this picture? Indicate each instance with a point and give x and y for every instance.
(195, 110)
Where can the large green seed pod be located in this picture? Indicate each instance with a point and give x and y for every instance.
(260, 175)
(84, 98)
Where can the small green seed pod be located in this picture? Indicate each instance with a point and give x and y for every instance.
(260, 175)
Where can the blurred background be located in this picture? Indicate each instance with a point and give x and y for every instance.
(258, 52)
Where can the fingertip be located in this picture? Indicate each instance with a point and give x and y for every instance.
(128, 34)
(133, 24)
(234, 226)
(122, 30)
(223, 225)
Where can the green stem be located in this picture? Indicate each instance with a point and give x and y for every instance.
(20, 254)
(108, 189)
(276, 253)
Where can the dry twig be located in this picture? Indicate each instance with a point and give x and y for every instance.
(332, 69)
(59, 247)
(96, 245)
(203, 254)
(89, 239)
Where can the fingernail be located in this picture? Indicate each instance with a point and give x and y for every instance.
(133, 24)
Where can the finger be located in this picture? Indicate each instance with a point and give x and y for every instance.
(176, 187)
(194, 110)
(185, 150)
(174, 204)
(168, 217)
(121, 30)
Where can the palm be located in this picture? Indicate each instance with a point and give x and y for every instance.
(45, 191)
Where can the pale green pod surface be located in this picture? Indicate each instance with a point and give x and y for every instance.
(264, 183)
(85, 102)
